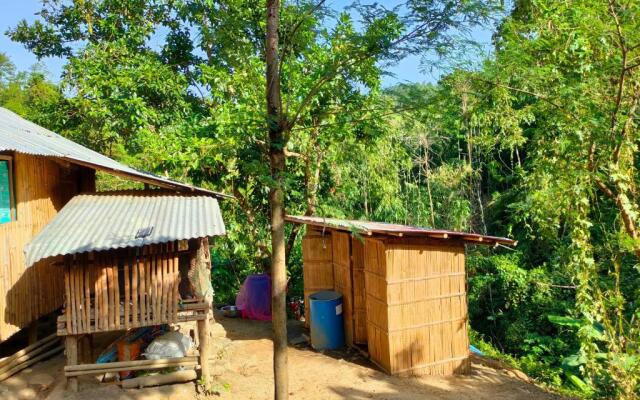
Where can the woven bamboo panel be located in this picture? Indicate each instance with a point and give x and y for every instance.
(416, 307)
(359, 292)
(114, 290)
(342, 279)
(318, 267)
(42, 187)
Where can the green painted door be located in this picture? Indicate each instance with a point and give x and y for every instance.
(5, 192)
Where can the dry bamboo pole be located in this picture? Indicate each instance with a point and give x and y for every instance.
(143, 285)
(176, 285)
(163, 283)
(105, 294)
(110, 295)
(30, 361)
(42, 342)
(67, 282)
(97, 291)
(146, 381)
(116, 293)
(87, 292)
(27, 355)
(134, 287)
(159, 285)
(127, 291)
(79, 299)
(95, 369)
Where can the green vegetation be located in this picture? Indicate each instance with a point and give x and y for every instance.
(538, 142)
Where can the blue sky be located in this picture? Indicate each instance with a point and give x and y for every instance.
(408, 70)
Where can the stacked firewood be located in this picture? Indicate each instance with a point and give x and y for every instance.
(30, 355)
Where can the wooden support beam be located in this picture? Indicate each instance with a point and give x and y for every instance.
(71, 350)
(203, 337)
(135, 365)
(155, 380)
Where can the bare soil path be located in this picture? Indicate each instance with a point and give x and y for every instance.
(242, 370)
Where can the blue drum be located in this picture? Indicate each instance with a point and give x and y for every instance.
(327, 328)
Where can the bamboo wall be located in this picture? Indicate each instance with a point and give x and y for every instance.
(122, 289)
(41, 187)
(318, 267)
(359, 293)
(342, 279)
(416, 306)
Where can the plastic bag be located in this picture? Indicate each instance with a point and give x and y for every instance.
(254, 298)
(170, 345)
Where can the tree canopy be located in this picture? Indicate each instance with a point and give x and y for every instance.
(537, 141)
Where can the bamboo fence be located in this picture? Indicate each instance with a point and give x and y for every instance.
(114, 290)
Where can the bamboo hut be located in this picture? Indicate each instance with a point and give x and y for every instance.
(124, 257)
(403, 287)
(40, 171)
(115, 260)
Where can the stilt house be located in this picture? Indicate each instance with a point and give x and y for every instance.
(403, 287)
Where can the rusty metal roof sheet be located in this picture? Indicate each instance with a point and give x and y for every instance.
(22, 136)
(114, 220)
(397, 230)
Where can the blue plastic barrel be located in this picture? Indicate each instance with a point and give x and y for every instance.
(327, 329)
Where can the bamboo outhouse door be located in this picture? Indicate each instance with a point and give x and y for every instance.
(318, 267)
(342, 279)
(359, 293)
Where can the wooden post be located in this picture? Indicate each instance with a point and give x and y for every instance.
(71, 350)
(203, 336)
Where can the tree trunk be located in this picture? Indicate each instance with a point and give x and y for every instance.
(277, 144)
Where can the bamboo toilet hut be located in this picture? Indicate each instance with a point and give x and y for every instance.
(403, 287)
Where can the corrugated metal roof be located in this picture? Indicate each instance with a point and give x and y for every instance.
(383, 228)
(22, 136)
(112, 220)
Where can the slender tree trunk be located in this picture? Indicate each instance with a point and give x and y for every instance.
(277, 144)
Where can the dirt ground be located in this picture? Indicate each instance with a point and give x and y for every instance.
(242, 370)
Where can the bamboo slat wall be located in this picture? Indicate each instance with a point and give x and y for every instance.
(405, 298)
(318, 267)
(342, 279)
(114, 290)
(416, 307)
(41, 188)
(359, 293)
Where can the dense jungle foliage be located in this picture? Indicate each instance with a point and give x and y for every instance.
(537, 142)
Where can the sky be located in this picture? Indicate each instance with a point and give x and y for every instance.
(12, 11)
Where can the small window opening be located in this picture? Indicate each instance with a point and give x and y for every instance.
(7, 192)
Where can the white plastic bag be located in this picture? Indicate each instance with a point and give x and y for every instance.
(170, 345)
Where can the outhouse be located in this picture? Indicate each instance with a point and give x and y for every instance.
(404, 289)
